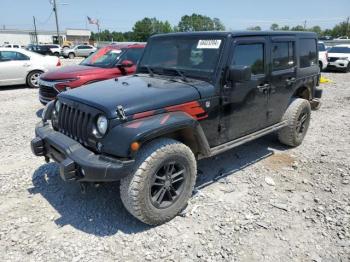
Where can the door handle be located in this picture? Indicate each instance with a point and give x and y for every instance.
(26, 65)
(263, 88)
(291, 80)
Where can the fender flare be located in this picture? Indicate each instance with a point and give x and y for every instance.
(118, 140)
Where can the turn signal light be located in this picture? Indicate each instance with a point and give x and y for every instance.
(135, 146)
(58, 63)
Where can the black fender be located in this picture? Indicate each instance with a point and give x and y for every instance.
(118, 140)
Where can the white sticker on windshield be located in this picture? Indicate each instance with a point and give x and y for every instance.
(116, 51)
(209, 44)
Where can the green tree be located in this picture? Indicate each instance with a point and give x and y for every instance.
(218, 25)
(146, 27)
(341, 29)
(254, 28)
(197, 22)
(285, 28)
(317, 29)
(274, 27)
(298, 28)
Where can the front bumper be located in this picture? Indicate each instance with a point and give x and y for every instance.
(339, 64)
(75, 161)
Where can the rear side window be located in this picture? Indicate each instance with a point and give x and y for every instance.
(282, 55)
(308, 54)
(250, 55)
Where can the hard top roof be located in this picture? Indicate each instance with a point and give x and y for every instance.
(241, 33)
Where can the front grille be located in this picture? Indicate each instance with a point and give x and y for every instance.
(332, 59)
(75, 123)
(47, 92)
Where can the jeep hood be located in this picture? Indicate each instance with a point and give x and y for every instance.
(138, 94)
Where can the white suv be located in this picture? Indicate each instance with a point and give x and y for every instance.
(322, 56)
(339, 57)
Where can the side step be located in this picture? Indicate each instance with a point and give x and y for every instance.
(242, 140)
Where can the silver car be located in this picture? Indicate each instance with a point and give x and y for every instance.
(78, 50)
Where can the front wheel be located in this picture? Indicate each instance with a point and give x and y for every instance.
(297, 116)
(71, 55)
(162, 183)
(33, 79)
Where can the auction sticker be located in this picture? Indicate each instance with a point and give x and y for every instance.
(209, 44)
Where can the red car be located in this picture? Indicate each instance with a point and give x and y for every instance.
(108, 62)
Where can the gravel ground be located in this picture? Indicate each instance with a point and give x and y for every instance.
(258, 202)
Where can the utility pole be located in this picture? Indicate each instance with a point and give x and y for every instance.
(57, 28)
(35, 32)
(305, 24)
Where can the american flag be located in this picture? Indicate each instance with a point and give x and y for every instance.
(92, 21)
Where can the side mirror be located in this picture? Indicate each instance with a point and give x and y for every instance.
(239, 73)
(126, 63)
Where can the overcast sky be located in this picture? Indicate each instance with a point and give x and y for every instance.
(121, 15)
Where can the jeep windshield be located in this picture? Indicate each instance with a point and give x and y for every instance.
(104, 58)
(195, 57)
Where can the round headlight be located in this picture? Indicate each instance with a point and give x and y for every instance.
(57, 106)
(102, 124)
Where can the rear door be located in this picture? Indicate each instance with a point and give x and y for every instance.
(283, 76)
(245, 103)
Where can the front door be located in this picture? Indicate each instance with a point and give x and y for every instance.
(244, 106)
(283, 76)
(13, 67)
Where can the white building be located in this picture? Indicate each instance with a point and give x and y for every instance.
(25, 37)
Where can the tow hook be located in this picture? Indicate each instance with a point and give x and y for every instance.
(83, 187)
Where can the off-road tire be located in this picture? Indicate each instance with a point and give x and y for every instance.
(135, 188)
(290, 134)
(71, 55)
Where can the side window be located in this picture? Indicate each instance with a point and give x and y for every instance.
(282, 55)
(20, 56)
(11, 55)
(80, 47)
(8, 55)
(308, 54)
(250, 55)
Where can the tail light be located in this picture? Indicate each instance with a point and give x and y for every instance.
(58, 63)
(327, 55)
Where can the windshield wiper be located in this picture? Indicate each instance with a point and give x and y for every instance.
(150, 71)
(180, 73)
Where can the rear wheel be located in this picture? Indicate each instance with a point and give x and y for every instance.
(298, 116)
(57, 54)
(33, 79)
(163, 182)
(71, 55)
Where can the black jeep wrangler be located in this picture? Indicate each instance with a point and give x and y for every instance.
(194, 95)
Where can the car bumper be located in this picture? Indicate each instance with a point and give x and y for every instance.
(338, 65)
(75, 161)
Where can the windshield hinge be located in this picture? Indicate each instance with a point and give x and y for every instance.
(121, 113)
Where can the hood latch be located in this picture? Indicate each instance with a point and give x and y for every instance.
(121, 113)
